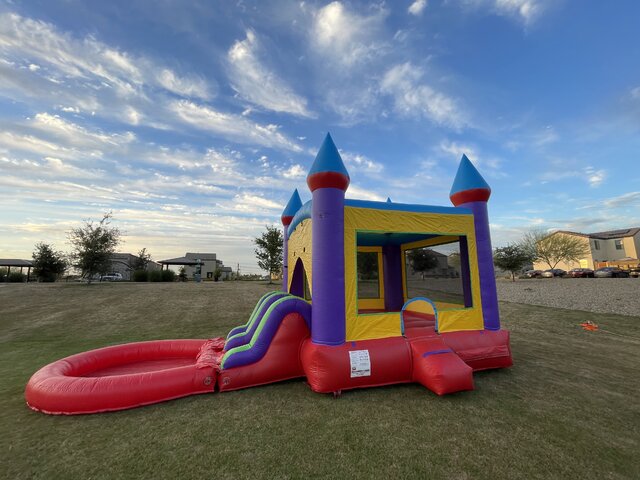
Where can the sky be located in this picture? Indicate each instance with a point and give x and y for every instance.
(193, 121)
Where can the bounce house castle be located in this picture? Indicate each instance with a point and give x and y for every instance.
(328, 323)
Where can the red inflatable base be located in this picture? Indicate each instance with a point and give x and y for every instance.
(281, 362)
(335, 368)
(125, 376)
(443, 363)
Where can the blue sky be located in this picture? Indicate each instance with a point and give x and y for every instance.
(194, 121)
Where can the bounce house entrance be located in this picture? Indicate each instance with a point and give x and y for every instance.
(419, 317)
(299, 282)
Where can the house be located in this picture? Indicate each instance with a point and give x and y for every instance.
(445, 267)
(203, 263)
(602, 247)
(126, 263)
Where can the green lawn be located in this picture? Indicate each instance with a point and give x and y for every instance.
(569, 408)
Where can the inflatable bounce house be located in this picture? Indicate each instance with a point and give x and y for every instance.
(328, 324)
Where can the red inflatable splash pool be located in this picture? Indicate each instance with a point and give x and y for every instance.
(125, 376)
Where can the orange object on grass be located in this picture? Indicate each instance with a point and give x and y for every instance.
(590, 326)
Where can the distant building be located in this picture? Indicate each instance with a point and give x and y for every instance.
(125, 264)
(611, 246)
(442, 268)
(207, 262)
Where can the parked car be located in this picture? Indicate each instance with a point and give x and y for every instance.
(634, 272)
(532, 274)
(553, 272)
(611, 272)
(580, 273)
(111, 277)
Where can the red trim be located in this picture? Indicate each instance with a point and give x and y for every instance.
(328, 180)
(286, 220)
(472, 195)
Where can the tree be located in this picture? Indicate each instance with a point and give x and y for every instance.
(48, 264)
(512, 258)
(142, 261)
(269, 251)
(93, 244)
(554, 248)
(422, 259)
(182, 274)
(217, 273)
(367, 265)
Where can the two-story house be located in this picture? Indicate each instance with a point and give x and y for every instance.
(610, 246)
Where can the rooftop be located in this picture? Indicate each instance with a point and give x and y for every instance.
(608, 235)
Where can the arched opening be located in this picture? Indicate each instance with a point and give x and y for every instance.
(299, 282)
(419, 316)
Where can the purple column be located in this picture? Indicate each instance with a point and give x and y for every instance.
(328, 321)
(488, 290)
(392, 271)
(285, 258)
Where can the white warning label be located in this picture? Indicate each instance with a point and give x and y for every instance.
(360, 363)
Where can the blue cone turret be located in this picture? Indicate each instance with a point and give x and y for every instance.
(289, 211)
(328, 170)
(468, 185)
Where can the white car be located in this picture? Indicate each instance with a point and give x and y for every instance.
(111, 277)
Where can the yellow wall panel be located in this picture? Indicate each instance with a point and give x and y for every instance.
(300, 247)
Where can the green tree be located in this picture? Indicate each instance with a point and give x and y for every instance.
(182, 274)
(422, 259)
(93, 244)
(269, 251)
(554, 248)
(512, 258)
(48, 264)
(142, 261)
(367, 265)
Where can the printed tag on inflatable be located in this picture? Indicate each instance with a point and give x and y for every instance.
(360, 363)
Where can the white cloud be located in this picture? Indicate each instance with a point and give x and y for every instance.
(635, 93)
(417, 7)
(257, 83)
(356, 162)
(592, 176)
(546, 136)
(631, 199)
(354, 103)
(455, 150)
(346, 37)
(251, 203)
(191, 86)
(595, 177)
(133, 116)
(524, 11)
(359, 193)
(527, 10)
(70, 109)
(413, 97)
(231, 126)
(28, 143)
(295, 171)
(95, 71)
(76, 135)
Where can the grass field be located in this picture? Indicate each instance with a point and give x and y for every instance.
(569, 408)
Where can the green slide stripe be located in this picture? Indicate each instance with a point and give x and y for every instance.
(261, 325)
(254, 314)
